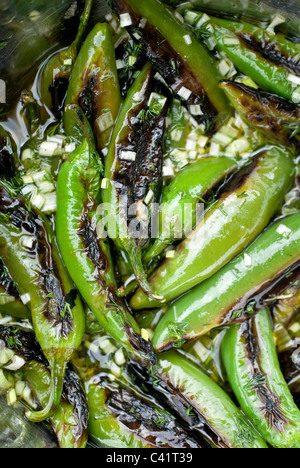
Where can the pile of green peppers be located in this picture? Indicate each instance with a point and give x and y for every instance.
(110, 337)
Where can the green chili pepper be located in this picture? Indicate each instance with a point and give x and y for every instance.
(252, 366)
(287, 306)
(86, 254)
(277, 118)
(57, 72)
(56, 309)
(133, 169)
(181, 198)
(94, 85)
(238, 289)
(69, 422)
(178, 56)
(120, 418)
(204, 407)
(10, 300)
(244, 209)
(269, 76)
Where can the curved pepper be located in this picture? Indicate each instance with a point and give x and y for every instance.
(238, 289)
(39, 273)
(121, 418)
(10, 299)
(242, 212)
(277, 118)
(197, 400)
(56, 74)
(252, 366)
(269, 76)
(94, 85)
(138, 135)
(181, 196)
(70, 420)
(178, 56)
(86, 255)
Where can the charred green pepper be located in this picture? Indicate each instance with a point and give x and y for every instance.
(245, 208)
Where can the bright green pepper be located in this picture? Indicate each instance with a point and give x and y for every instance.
(269, 76)
(139, 133)
(94, 85)
(252, 366)
(228, 227)
(247, 280)
(181, 197)
(277, 118)
(178, 56)
(40, 276)
(201, 403)
(57, 72)
(87, 255)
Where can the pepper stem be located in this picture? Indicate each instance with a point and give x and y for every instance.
(58, 369)
(140, 273)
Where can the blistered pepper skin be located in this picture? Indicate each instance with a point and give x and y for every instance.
(250, 358)
(94, 85)
(223, 298)
(229, 226)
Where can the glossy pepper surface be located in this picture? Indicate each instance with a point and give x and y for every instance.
(269, 76)
(10, 298)
(252, 366)
(277, 118)
(86, 254)
(56, 309)
(94, 85)
(181, 197)
(203, 406)
(178, 56)
(241, 213)
(237, 289)
(133, 168)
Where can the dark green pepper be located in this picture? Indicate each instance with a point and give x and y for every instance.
(57, 72)
(30, 253)
(239, 289)
(178, 56)
(8, 155)
(10, 299)
(245, 208)
(276, 118)
(252, 366)
(206, 409)
(94, 85)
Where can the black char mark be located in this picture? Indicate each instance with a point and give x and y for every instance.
(263, 295)
(134, 179)
(173, 399)
(169, 64)
(156, 427)
(58, 91)
(272, 114)
(7, 283)
(57, 310)
(271, 51)
(270, 402)
(23, 343)
(7, 165)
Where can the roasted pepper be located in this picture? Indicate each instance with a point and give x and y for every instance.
(10, 298)
(178, 56)
(56, 308)
(94, 85)
(244, 209)
(252, 366)
(133, 169)
(239, 289)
